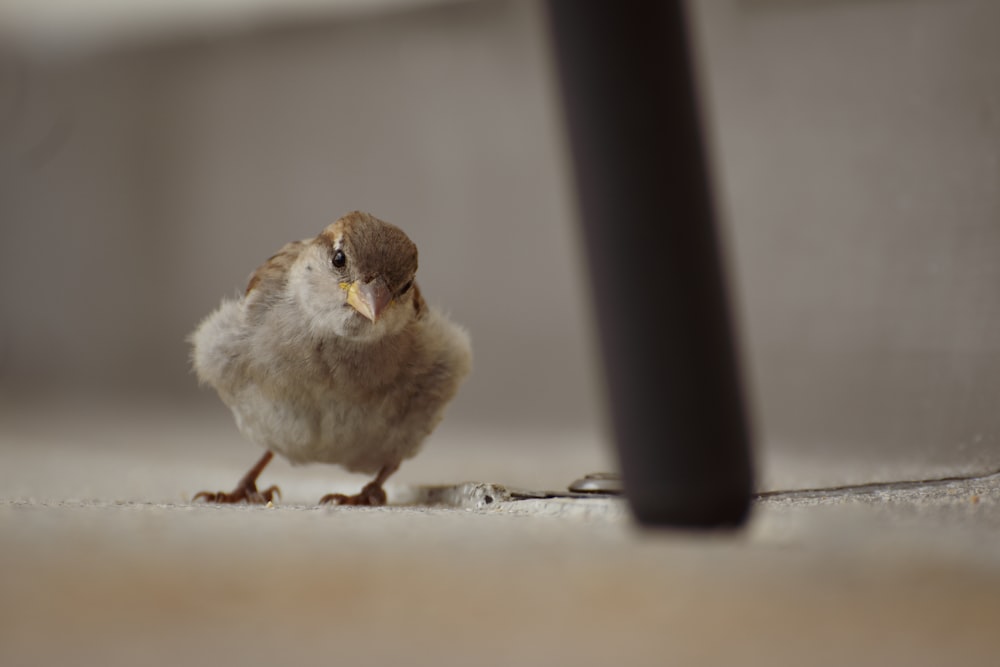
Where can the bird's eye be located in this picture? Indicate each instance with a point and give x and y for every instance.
(339, 259)
(406, 288)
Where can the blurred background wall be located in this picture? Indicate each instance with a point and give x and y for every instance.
(149, 163)
(181, 165)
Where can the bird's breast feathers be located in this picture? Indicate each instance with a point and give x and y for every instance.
(356, 405)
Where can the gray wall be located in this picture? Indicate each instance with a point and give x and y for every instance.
(857, 153)
(188, 164)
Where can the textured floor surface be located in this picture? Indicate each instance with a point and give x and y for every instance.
(105, 562)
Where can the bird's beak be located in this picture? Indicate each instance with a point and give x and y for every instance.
(370, 298)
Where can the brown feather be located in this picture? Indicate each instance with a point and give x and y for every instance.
(373, 247)
(272, 274)
(418, 301)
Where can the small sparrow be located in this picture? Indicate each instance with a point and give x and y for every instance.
(332, 356)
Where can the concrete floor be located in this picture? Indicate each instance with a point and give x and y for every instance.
(105, 562)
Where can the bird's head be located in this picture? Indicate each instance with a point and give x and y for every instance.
(356, 279)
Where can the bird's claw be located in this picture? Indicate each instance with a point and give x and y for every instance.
(241, 494)
(371, 495)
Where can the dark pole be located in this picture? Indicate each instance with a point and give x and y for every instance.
(656, 273)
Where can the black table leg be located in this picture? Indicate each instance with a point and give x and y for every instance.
(654, 260)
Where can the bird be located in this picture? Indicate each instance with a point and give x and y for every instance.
(332, 356)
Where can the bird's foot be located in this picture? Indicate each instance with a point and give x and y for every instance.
(243, 493)
(372, 494)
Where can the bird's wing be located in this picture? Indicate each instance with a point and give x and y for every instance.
(268, 281)
(274, 272)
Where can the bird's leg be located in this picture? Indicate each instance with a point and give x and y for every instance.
(371, 494)
(246, 488)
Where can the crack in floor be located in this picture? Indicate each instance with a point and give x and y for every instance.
(869, 488)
